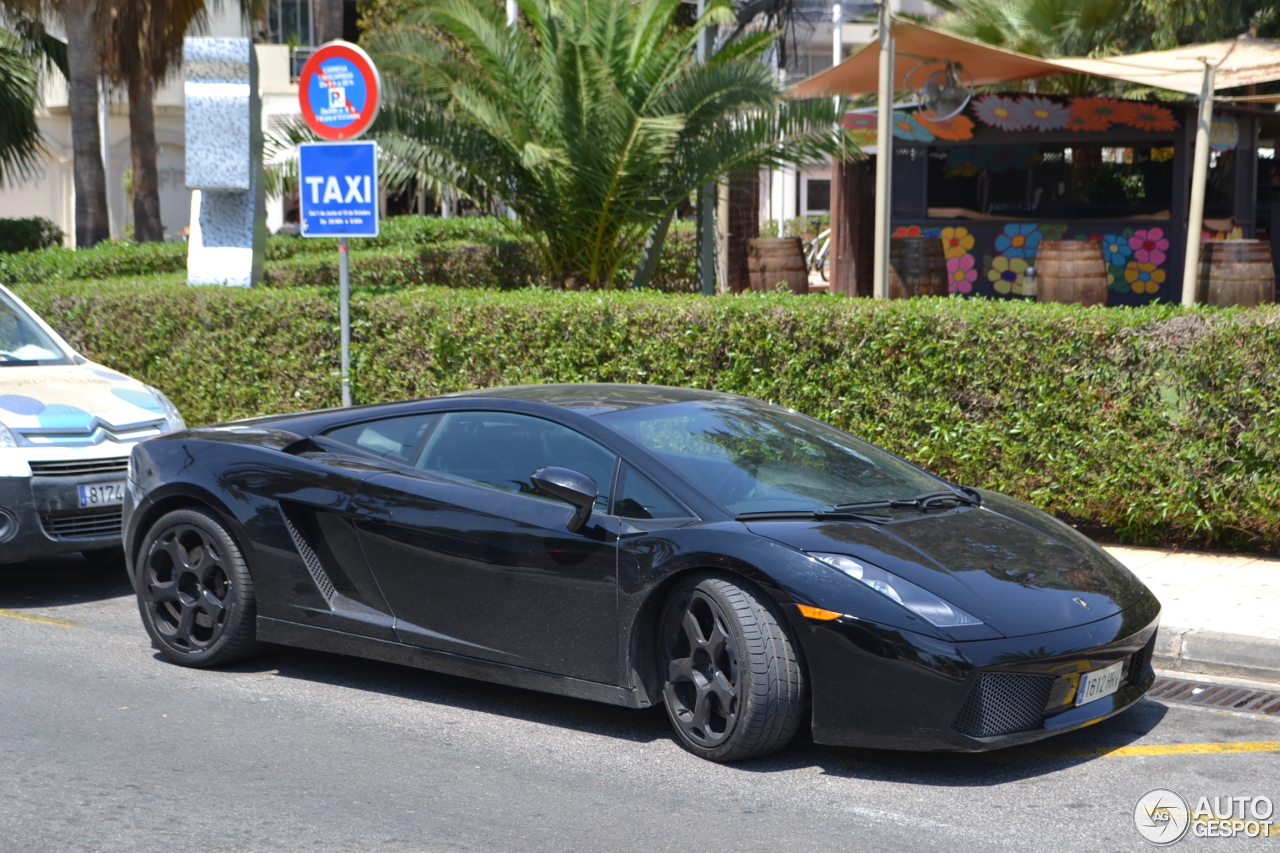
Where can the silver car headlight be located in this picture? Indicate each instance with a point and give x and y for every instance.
(918, 600)
(171, 413)
(7, 438)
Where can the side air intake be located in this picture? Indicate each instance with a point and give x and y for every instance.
(316, 556)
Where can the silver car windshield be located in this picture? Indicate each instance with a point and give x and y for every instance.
(754, 457)
(22, 341)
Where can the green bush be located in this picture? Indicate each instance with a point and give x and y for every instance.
(106, 260)
(1160, 422)
(28, 235)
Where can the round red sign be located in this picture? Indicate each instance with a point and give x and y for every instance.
(339, 90)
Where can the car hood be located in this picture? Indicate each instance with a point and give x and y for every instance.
(45, 401)
(1017, 569)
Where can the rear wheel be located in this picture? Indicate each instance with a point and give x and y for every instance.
(194, 590)
(734, 685)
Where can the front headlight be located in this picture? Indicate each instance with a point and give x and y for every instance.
(916, 599)
(170, 411)
(7, 438)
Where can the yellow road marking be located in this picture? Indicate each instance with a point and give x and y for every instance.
(1128, 751)
(36, 617)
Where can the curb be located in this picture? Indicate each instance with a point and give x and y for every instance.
(1212, 653)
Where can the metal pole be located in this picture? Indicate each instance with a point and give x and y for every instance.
(706, 205)
(837, 46)
(884, 157)
(1199, 176)
(344, 313)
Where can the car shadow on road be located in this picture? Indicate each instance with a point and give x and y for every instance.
(639, 726)
(59, 581)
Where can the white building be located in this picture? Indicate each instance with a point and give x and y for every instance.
(50, 191)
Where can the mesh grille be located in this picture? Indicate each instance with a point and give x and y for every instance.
(83, 526)
(1141, 661)
(310, 560)
(80, 467)
(1002, 703)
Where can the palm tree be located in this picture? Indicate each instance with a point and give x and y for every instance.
(142, 42)
(82, 71)
(19, 96)
(590, 120)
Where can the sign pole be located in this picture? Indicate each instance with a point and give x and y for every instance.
(1199, 177)
(884, 159)
(344, 313)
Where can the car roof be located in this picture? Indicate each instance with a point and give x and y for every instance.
(599, 398)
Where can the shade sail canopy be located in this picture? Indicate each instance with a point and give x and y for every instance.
(914, 44)
(1240, 61)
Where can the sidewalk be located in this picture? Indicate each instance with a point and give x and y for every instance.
(1221, 611)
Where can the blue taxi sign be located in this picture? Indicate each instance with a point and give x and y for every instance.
(338, 189)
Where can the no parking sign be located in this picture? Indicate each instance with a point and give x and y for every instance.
(339, 91)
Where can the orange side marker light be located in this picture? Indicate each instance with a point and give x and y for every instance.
(818, 613)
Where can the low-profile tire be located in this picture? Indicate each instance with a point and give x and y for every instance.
(733, 679)
(194, 590)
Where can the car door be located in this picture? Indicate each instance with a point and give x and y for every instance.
(474, 560)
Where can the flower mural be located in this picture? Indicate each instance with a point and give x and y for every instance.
(956, 242)
(1041, 114)
(998, 112)
(907, 127)
(1096, 113)
(961, 274)
(907, 231)
(954, 129)
(1144, 277)
(1019, 240)
(1116, 250)
(1152, 117)
(1149, 246)
(1005, 274)
(862, 127)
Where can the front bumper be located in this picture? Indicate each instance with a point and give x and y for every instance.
(886, 688)
(40, 517)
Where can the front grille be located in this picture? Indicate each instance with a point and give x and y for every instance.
(1140, 661)
(81, 467)
(83, 526)
(1002, 703)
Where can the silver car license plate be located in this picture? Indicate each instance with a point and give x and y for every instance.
(101, 494)
(1099, 683)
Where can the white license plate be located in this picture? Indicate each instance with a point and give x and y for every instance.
(101, 494)
(1099, 683)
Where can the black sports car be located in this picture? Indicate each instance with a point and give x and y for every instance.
(739, 562)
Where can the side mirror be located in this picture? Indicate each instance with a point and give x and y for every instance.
(568, 485)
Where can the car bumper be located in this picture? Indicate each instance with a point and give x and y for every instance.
(886, 688)
(41, 517)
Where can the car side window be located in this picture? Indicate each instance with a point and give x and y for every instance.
(637, 497)
(503, 449)
(397, 439)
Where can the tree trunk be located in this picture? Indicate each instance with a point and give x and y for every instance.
(328, 20)
(852, 226)
(744, 225)
(92, 222)
(147, 227)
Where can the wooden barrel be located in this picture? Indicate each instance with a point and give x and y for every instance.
(1236, 272)
(917, 267)
(1071, 271)
(774, 260)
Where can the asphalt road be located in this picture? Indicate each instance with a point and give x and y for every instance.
(106, 747)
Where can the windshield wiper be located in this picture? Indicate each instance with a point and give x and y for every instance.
(817, 514)
(920, 502)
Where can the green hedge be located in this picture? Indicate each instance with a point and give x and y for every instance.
(411, 251)
(28, 235)
(1161, 422)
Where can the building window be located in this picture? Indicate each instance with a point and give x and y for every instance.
(291, 22)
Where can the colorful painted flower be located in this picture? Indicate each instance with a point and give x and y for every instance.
(955, 129)
(906, 126)
(956, 241)
(907, 231)
(998, 111)
(1019, 240)
(1005, 274)
(1039, 113)
(1098, 113)
(1152, 117)
(1149, 246)
(1115, 248)
(862, 127)
(1143, 278)
(960, 274)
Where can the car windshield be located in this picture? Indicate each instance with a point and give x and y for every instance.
(22, 341)
(754, 457)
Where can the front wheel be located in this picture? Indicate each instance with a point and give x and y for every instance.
(734, 685)
(194, 590)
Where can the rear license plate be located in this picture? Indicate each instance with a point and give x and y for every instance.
(101, 494)
(1099, 683)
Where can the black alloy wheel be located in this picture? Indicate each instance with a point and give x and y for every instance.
(733, 682)
(194, 590)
